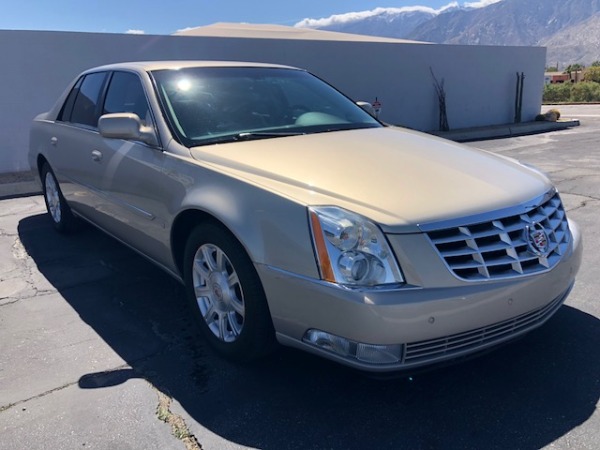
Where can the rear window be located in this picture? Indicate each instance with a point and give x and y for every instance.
(85, 97)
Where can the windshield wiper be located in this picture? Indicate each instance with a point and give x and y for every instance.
(245, 136)
(248, 136)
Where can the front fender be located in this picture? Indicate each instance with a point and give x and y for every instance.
(273, 229)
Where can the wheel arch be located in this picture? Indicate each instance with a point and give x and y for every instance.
(182, 227)
(273, 230)
(40, 161)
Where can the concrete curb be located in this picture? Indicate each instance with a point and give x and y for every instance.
(504, 131)
(20, 184)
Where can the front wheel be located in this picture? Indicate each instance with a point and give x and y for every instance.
(226, 294)
(58, 209)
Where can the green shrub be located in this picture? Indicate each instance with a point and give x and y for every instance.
(557, 93)
(592, 74)
(588, 91)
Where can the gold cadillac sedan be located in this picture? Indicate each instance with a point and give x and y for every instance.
(292, 215)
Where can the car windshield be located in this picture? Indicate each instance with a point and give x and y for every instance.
(205, 105)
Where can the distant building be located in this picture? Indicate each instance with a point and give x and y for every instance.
(556, 78)
(562, 77)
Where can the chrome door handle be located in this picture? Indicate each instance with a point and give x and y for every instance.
(53, 141)
(96, 155)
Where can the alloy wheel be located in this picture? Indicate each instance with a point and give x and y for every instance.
(52, 197)
(218, 292)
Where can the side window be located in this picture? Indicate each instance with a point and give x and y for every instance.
(85, 108)
(67, 109)
(126, 94)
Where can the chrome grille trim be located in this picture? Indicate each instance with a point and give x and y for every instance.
(469, 341)
(498, 248)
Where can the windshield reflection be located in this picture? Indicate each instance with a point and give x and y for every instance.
(206, 105)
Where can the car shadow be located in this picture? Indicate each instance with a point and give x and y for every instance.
(524, 395)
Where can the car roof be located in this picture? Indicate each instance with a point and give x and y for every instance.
(146, 66)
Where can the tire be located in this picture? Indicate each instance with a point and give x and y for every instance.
(58, 209)
(226, 295)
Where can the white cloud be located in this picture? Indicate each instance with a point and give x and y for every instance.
(480, 3)
(451, 5)
(355, 16)
(135, 32)
(360, 15)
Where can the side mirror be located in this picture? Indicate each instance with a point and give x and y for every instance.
(126, 126)
(368, 108)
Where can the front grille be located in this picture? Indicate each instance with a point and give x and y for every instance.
(466, 342)
(499, 248)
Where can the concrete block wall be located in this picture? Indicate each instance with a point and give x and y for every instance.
(480, 81)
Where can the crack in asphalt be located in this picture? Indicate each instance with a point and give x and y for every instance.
(25, 271)
(8, 302)
(18, 250)
(589, 197)
(35, 397)
(583, 204)
(35, 205)
(25, 274)
(575, 178)
(66, 385)
(179, 428)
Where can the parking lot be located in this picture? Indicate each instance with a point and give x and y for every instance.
(97, 350)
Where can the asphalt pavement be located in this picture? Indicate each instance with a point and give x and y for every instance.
(97, 350)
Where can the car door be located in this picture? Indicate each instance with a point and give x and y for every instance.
(133, 181)
(71, 145)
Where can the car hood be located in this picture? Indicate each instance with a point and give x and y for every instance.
(394, 176)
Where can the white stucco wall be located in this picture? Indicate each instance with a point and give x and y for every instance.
(480, 81)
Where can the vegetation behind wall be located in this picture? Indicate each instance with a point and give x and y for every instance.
(583, 90)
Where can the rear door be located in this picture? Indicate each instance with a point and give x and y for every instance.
(72, 143)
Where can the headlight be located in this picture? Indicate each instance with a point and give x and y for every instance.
(350, 249)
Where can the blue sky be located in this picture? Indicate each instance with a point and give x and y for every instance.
(166, 17)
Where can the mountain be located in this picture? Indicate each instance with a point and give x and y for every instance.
(569, 28)
(384, 22)
(580, 42)
(508, 22)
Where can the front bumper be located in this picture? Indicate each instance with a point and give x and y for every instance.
(432, 323)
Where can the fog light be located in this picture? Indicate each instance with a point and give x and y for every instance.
(328, 342)
(367, 353)
(379, 354)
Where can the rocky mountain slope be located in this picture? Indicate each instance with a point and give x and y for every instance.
(569, 28)
(577, 43)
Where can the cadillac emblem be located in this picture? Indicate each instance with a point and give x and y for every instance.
(537, 239)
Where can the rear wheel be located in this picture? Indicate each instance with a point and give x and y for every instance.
(226, 295)
(58, 209)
